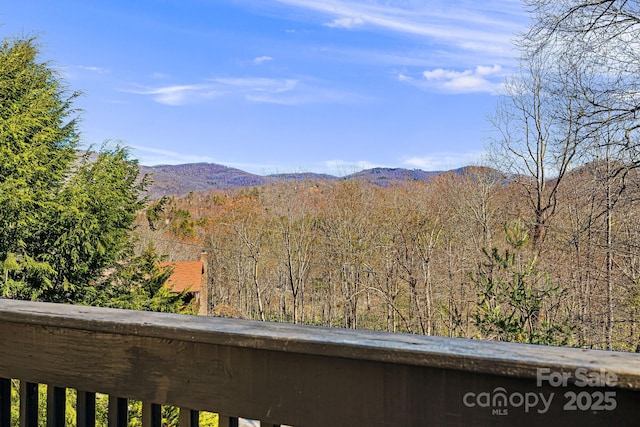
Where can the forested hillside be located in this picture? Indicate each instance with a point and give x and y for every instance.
(453, 256)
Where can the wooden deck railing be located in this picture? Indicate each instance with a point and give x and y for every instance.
(298, 375)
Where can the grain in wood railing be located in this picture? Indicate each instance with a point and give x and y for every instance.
(305, 376)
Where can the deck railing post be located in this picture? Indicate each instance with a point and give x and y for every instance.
(28, 404)
(189, 418)
(118, 412)
(86, 409)
(5, 402)
(227, 421)
(151, 415)
(56, 406)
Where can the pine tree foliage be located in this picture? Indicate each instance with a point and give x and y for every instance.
(66, 221)
(92, 228)
(38, 138)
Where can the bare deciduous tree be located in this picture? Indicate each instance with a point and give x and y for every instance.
(538, 133)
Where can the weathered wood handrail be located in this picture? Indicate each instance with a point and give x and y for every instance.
(310, 376)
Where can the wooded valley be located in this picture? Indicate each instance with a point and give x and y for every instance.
(454, 256)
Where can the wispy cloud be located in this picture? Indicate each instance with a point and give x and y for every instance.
(262, 59)
(160, 75)
(479, 79)
(283, 91)
(178, 94)
(345, 22)
(83, 71)
(444, 160)
(150, 156)
(258, 84)
(468, 25)
(444, 40)
(91, 68)
(261, 89)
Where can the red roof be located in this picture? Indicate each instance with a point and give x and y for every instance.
(186, 274)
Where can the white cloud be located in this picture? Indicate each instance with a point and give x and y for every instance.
(453, 36)
(345, 22)
(160, 76)
(485, 27)
(479, 79)
(94, 69)
(262, 59)
(258, 84)
(178, 94)
(82, 71)
(262, 90)
(444, 161)
(487, 71)
(283, 91)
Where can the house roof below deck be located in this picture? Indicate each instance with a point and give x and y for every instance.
(186, 275)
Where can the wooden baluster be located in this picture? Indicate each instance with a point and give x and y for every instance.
(56, 406)
(118, 412)
(86, 409)
(227, 421)
(151, 415)
(28, 404)
(5, 402)
(189, 418)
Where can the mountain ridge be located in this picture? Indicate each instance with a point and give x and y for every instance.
(176, 180)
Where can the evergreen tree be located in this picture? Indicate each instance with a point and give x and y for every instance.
(92, 228)
(138, 284)
(38, 139)
(516, 301)
(66, 222)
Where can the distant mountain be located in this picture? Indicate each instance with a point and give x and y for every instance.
(388, 176)
(302, 176)
(175, 180)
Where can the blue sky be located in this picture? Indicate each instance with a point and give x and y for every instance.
(272, 86)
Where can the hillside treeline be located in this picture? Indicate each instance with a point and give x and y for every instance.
(451, 257)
